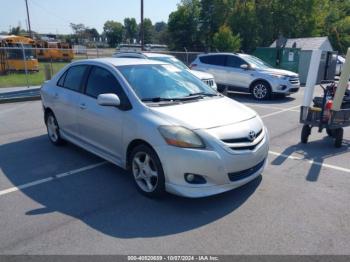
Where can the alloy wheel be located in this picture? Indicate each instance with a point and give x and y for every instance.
(145, 172)
(260, 91)
(52, 128)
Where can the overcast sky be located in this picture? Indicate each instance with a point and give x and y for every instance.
(54, 16)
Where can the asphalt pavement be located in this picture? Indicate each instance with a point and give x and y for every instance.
(64, 200)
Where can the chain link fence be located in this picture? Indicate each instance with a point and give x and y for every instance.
(27, 66)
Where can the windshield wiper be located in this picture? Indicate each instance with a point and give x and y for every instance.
(157, 99)
(201, 94)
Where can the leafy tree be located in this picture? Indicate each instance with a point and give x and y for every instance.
(224, 40)
(148, 30)
(184, 25)
(161, 35)
(214, 14)
(114, 32)
(130, 28)
(92, 33)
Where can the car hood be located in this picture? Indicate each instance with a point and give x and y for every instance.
(201, 75)
(279, 72)
(204, 114)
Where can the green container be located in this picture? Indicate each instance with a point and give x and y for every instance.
(283, 58)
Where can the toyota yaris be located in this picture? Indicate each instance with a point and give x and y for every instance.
(173, 132)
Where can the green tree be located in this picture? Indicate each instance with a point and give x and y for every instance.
(148, 30)
(130, 28)
(161, 33)
(224, 40)
(184, 25)
(114, 32)
(214, 14)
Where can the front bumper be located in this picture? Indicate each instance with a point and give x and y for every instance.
(285, 87)
(214, 165)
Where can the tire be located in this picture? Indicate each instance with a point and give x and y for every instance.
(53, 129)
(305, 133)
(338, 135)
(329, 132)
(148, 174)
(261, 90)
(221, 88)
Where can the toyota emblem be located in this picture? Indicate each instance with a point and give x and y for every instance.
(251, 136)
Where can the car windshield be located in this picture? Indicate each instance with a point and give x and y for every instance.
(171, 60)
(155, 83)
(256, 62)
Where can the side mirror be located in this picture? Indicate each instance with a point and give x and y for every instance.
(108, 100)
(245, 66)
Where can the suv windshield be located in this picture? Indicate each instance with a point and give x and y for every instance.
(171, 60)
(256, 62)
(157, 83)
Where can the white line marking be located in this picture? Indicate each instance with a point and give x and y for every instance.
(312, 162)
(271, 107)
(279, 112)
(48, 179)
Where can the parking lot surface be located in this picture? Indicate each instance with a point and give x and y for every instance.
(63, 200)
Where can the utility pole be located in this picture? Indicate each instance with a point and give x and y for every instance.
(142, 28)
(30, 29)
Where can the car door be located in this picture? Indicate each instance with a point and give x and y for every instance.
(66, 99)
(215, 64)
(101, 127)
(237, 76)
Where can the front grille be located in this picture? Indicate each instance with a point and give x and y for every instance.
(250, 147)
(236, 176)
(209, 82)
(241, 139)
(294, 80)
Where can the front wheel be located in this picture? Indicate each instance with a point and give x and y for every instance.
(305, 133)
(338, 135)
(261, 90)
(147, 171)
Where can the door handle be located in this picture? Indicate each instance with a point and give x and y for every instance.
(55, 95)
(82, 106)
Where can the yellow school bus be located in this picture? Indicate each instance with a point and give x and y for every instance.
(13, 50)
(53, 51)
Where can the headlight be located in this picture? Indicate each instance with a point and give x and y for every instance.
(279, 76)
(181, 137)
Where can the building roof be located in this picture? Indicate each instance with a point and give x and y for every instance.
(308, 43)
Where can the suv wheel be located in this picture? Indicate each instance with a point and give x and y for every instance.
(261, 90)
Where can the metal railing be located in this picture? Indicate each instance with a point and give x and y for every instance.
(27, 66)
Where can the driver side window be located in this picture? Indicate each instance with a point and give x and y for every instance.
(101, 81)
(233, 61)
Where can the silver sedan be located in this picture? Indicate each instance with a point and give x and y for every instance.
(173, 132)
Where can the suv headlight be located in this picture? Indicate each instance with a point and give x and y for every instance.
(181, 137)
(279, 76)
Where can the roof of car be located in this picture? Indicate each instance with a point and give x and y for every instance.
(140, 54)
(120, 61)
(226, 53)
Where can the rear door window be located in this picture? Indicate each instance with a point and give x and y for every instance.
(73, 78)
(218, 60)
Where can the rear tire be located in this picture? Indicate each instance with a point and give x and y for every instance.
(338, 135)
(329, 132)
(53, 129)
(147, 171)
(305, 133)
(261, 90)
